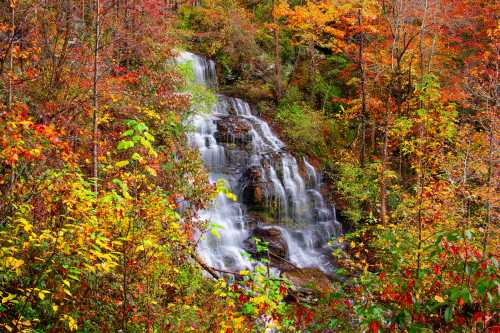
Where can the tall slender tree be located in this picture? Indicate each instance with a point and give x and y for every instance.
(95, 103)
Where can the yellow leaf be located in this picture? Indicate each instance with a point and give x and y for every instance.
(439, 299)
(9, 297)
(258, 300)
(17, 263)
(41, 295)
(238, 322)
(121, 164)
(151, 171)
(352, 244)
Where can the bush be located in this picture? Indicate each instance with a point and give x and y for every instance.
(301, 123)
(359, 187)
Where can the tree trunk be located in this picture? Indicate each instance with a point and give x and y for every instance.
(421, 174)
(362, 150)
(420, 185)
(383, 195)
(203, 265)
(277, 56)
(466, 209)
(11, 57)
(491, 166)
(94, 96)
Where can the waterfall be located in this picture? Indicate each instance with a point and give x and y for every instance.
(241, 148)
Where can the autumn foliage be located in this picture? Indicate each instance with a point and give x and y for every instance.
(397, 101)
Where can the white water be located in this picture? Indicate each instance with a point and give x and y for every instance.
(298, 202)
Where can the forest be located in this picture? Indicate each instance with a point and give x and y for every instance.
(243, 166)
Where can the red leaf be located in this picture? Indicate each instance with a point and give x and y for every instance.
(374, 326)
(309, 317)
(283, 289)
(242, 298)
(478, 316)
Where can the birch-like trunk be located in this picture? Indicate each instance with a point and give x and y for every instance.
(95, 104)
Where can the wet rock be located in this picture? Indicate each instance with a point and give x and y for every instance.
(236, 158)
(307, 284)
(233, 129)
(277, 245)
(254, 188)
(232, 110)
(308, 278)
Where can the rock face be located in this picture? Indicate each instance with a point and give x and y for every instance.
(233, 129)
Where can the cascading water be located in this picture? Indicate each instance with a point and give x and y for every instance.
(240, 148)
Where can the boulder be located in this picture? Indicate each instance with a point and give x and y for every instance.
(308, 281)
(254, 188)
(277, 245)
(233, 129)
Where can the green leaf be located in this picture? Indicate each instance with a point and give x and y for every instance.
(123, 187)
(125, 144)
(421, 112)
(248, 309)
(140, 127)
(448, 314)
(215, 233)
(128, 133)
(333, 323)
(467, 296)
(130, 122)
